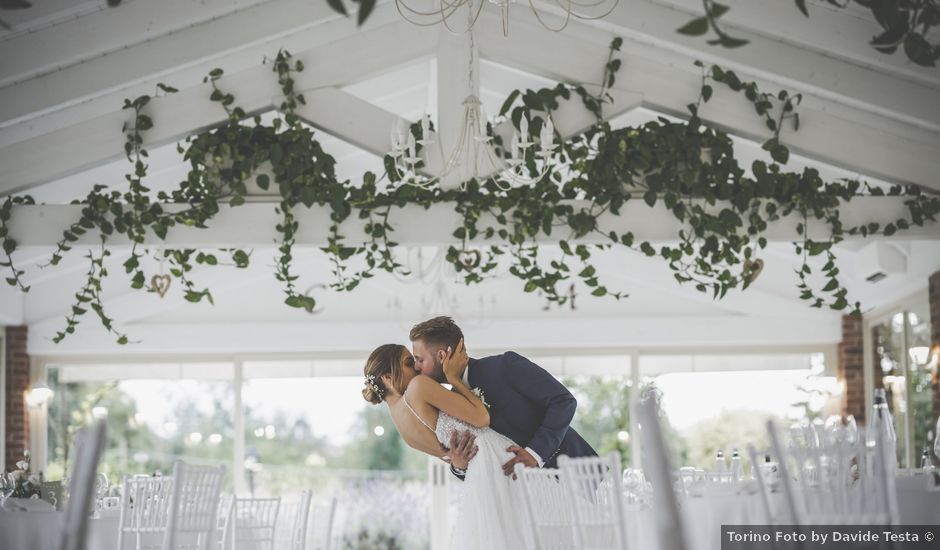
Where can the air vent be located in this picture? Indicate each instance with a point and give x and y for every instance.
(875, 277)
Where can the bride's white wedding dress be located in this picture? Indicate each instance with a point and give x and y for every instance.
(491, 507)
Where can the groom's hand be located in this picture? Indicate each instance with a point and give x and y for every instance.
(522, 457)
(462, 450)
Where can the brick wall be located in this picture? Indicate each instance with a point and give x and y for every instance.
(933, 285)
(851, 367)
(16, 430)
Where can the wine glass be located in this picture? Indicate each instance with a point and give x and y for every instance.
(851, 429)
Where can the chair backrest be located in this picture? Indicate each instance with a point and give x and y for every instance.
(224, 532)
(837, 482)
(299, 521)
(254, 522)
(82, 486)
(548, 509)
(595, 493)
(145, 510)
(194, 505)
(321, 525)
(763, 485)
(670, 530)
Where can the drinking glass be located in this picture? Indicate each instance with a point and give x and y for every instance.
(851, 429)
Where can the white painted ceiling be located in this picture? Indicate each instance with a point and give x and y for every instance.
(68, 62)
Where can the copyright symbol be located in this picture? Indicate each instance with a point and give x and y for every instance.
(928, 536)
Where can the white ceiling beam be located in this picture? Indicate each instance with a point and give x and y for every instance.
(130, 306)
(654, 275)
(349, 118)
(12, 308)
(253, 224)
(829, 31)
(80, 39)
(501, 334)
(93, 142)
(787, 62)
(844, 137)
(107, 70)
(183, 76)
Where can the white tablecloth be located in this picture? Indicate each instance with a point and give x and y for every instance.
(41, 531)
(704, 516)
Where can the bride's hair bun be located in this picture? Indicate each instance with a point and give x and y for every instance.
(384, 360)
(370, 395)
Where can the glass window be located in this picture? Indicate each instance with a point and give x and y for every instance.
(151, 423)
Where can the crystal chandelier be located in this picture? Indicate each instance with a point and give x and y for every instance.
(445, 9)
(474, 155)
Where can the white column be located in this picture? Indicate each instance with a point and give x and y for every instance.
(238, 438)
(908, 393)
(439, 478)
(635, 459)
(868, 364)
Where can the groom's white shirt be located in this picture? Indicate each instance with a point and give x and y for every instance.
(535, 455)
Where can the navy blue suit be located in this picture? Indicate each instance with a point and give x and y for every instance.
(529, 406)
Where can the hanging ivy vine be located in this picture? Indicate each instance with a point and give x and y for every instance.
(685, 169)
(905, 24)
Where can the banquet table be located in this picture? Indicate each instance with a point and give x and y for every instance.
(39, 530)
(703, 516)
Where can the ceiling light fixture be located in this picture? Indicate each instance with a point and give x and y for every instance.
(444, 10)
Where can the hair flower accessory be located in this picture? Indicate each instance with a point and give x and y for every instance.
(479, 393)
(370, 381)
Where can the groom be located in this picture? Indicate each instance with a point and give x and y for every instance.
(527, 404)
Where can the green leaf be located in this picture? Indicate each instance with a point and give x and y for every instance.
(365, 8)
(599, 291)
(338, 7)
(780, 153)
(695, 27)
(919, 50)
(706, 93)
(508, 103)
(802, 5)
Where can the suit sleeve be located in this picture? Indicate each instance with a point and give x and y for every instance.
(541, 388)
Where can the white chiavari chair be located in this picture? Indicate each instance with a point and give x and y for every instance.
(837, 482)
(89, 446)
(670, 530)
(224, 533)
(763, 486)
(254, 523)
(321, 524)
(299, 522)
(145, 511)
(194, 506)
(595, 494)
(548, 509)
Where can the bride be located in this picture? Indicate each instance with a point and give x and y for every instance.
(490, 507)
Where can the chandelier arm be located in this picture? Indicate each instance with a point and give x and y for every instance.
(472, 20)
(586, 5)
(440, 15)
(546, 25)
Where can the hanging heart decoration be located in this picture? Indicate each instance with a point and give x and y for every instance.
(753, 268)
(469, 258)
(160, 284)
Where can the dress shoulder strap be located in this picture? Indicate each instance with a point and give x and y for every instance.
(421, 420)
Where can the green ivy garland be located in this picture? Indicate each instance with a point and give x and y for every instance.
(685, 168)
